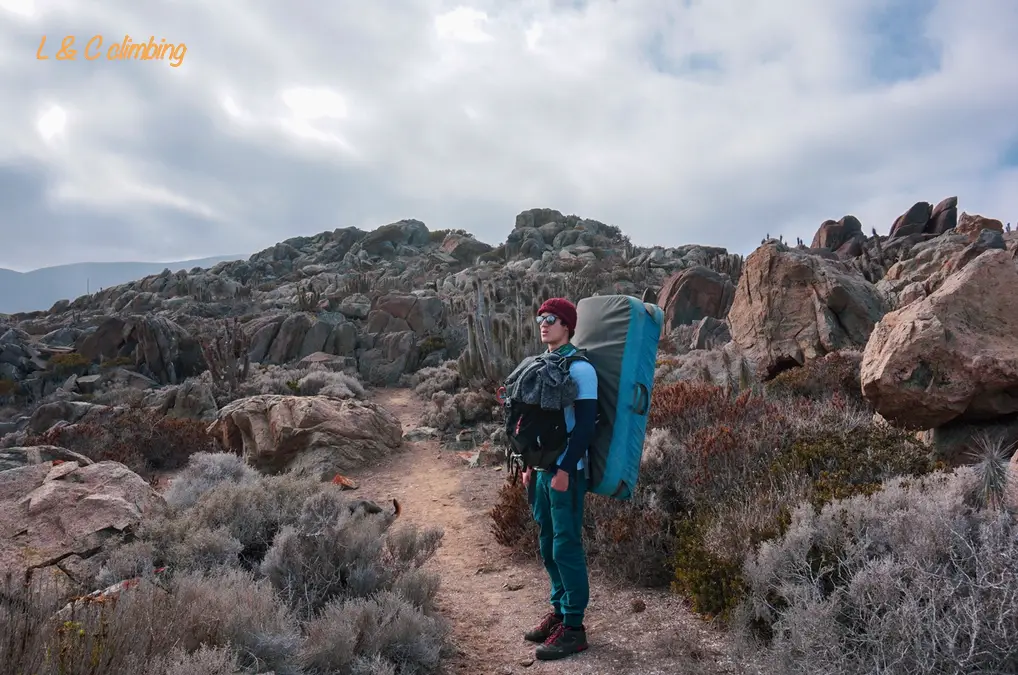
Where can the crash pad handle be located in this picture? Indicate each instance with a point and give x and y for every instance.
(641, 399)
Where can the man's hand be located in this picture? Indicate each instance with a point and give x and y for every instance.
(526, 477)
(560, 481)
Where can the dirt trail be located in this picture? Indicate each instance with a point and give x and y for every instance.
(491, 599)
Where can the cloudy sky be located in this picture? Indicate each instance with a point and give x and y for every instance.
(682, 121)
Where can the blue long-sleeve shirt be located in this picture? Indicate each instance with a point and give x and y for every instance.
(580, 417)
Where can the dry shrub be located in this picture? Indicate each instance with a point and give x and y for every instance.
(332, 553)
(120, 397)
(142, 439)
(513, 523)
(427, 382)
(315, 380)
(204, 471)
(262, 573)
(913, 579)
(196, 624)
(446, 412)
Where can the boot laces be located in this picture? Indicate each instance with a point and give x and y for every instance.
(556, 633)
(549, 621)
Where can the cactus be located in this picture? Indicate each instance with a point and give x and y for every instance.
(227, 355)
(729, 264)
(199, 289)
(495, 344)
(308, 298)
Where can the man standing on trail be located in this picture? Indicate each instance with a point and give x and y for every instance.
(557, 495)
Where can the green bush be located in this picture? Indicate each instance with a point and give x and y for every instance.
(66, 364)
(7, 387)
(836, 374)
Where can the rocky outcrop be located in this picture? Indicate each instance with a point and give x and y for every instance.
(18, 357)
(951, 356)
(423, 314)
(791, 306)
(905, 280)
(49, 414)
(194, 399)
(284, 338)
(159, 347)
(710, 333)
(844, 237)
(388, 356)
(55, 517)
(464, 248)
(972, 225)
(405, 237)
(311, 435)
(922, 218)
(695, 293)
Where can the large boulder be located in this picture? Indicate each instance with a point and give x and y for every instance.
(694, 293)
(310, 435)
(55, 517)
(952, 356)
(791, 306)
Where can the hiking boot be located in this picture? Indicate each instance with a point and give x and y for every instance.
(563, 641)
(544, 629)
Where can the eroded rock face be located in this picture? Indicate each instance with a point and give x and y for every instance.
(313, 435)
(952, 356)
(791, 306)
(55, 517)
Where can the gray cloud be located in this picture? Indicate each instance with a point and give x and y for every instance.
(711, 122)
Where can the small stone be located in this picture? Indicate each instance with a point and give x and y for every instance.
(513, 586)
(526, 663)
(637, 605)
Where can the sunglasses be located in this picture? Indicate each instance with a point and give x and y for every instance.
(550, 319)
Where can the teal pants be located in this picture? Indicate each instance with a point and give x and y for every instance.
(560, 518)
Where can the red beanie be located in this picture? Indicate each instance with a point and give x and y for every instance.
(563, 309)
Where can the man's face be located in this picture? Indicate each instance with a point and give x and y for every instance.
(553, 331)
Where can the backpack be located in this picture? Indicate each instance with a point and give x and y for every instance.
(619, 335)
(537, 436)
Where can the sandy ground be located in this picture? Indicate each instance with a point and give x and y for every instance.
(491, 599)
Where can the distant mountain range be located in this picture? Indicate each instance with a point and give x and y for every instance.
(39, 289)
